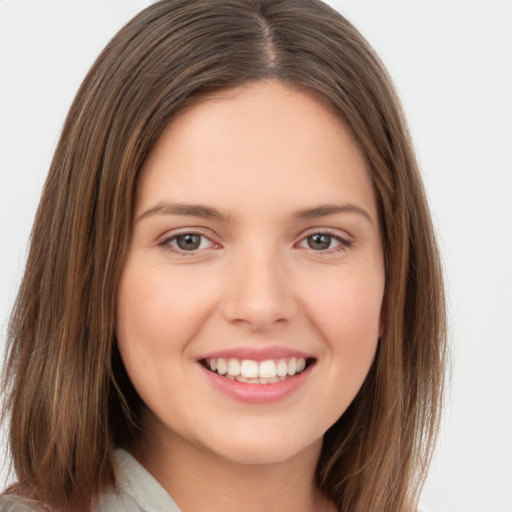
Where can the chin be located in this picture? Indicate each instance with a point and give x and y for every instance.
(260, 449)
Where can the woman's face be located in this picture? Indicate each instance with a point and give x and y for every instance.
(249, 303)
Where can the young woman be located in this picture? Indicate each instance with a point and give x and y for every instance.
(233, 297)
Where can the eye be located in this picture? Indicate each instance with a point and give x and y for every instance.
(324, 242)
(187, 242)
(319, 241)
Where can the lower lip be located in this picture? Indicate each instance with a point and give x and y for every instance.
(257, 393)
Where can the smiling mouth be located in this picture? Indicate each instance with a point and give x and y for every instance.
(250, 371)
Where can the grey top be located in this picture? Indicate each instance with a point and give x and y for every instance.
(136, 491)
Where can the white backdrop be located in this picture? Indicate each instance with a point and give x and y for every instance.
(452, 62)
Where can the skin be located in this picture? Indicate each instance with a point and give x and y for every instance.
(259, 155)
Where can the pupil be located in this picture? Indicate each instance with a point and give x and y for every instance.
(188, 242)
(319, 241)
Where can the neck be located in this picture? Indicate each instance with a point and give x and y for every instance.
(200, 480)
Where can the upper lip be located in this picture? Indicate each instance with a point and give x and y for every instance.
(256, 353)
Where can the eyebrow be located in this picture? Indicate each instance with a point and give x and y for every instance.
(331, 209)
(207, 212)
(188, 210)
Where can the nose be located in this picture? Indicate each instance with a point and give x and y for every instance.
(259, 294)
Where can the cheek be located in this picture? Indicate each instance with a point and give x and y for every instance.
(158, 314)
(159, 311)
(349, 303)
(347, 317)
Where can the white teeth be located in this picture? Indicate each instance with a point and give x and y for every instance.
(233, 367)
(249, 369)
(292, 366)
(222, 367)
(282, 368)
(267, 369)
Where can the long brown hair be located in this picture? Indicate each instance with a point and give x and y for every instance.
(69, 401)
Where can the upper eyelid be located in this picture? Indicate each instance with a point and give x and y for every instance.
(207, 233)
(335, 232)
(166, 243)
(194, 230)
(344, 240)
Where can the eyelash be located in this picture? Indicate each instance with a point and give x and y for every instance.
(343, 243)
(166, 243)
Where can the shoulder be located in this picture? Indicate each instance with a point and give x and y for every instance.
(14, 503)
(135, 491)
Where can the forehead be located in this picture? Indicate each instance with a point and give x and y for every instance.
(264, 140)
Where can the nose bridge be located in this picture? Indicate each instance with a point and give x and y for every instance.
(259, 292)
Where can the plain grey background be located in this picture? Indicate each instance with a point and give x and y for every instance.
(452, 63)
